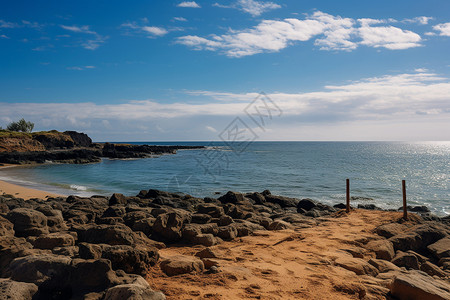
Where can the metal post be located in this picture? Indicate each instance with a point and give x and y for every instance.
(405, 210)
(348, 195)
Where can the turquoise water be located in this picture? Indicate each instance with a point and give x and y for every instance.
(298, 169)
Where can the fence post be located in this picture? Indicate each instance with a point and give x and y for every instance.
(348, 196)
(405, 210)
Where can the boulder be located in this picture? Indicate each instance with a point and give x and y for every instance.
(227, 233)
(391, 229)
(432, 269)
(144, 225)
(231, 197)
(383, 249)
(201, 218)
(11, 248)
(70, 251)
(383, 266)
(407, 260)
(91, 275)
(279, 225)
(225, 220)
(205, 239)
(28, 222)
(206, 253)
(106, 234)
(6, 227)
(118, 199)
(407, 241)
(357, 265)
(89, 251)
(181, 264)
(416, 285)
(52, 240)
(441, 248)
(282, 201)
(135, 260)
(133, 292)
(13, 290)
(168, 226)
(213, 210)
(306, 204)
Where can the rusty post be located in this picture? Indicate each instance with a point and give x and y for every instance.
(348, 196)
(405, 210)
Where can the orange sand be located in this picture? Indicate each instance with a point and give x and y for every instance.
(288, 264)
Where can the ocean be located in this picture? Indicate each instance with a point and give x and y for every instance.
(315, 170)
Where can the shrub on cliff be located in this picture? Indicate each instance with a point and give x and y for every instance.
(21, 125)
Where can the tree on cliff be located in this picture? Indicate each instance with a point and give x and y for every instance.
(21, 125)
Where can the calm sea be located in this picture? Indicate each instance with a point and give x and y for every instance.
(315, 170)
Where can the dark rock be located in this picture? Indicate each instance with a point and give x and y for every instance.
(52, 240)
(432, 269)
(210, 209)
(114, 212)
(231, 197)
(106, 234)
(28, 222)
(368, 206)
(79, 139)
(391, 229)
(90, 251)
(6, 227)
(383, 249)
(407, 260)
(279, 225)
(206, 253)
(357, 265)
(70, 251)
(306, 204)
(340, 206)
(225, 220)
(181, 264)
(134, 260)
(144, 225)
(383, 266)
(282, 201)
(133, 291)
(201, 218)
(118, 199)
(441, 248)
(227, 233)
(13, 290)
(11, 248)
(168, 226)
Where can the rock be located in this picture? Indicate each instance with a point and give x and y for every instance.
(49, 271)
(106, 234)
(201, 218)
(441, 248)
(55, 220)
(144, 225)
(6, 227)
(279, 225)
(340, 206)
(225, 220)
(231, 197)
(11, 248)
(91, 275)
(135, 260)
(282, 201)
(205, 239)
(114, 212)
(206, 253)
(382, 248)
(52, 240)
(133, 292)
(210, 262)
(391, 229)
(407, 260)
(211, 209)
(368, 206)
(28, 222)
(416, 285)
(227, 233)
(306, 204)
(432, 269)
(383, 266)
(181, 264)
(357, 265)
(118, 199)
(89, 251)
(13, 290)
(407, 241)
(70, 251)
(168, 226)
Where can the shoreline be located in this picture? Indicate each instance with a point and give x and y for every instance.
(7, 188)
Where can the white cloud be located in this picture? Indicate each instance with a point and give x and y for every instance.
(444, 29)
(331, 32)
(253, 7)
(4, 36)
(180, 19)
(191, 4)
(4, 24)
(158, 31)
(420, 20)
(80, 68)
(389, 37)
(411, 100)
(89, 44)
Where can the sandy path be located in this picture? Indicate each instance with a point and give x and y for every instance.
(288, 264)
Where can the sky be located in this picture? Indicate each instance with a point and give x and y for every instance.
(296, 70)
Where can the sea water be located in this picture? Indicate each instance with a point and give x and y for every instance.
(315, 170)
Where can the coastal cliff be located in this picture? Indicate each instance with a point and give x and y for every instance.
(70, 147)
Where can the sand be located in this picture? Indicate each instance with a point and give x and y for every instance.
(22, 192)
(287, 264)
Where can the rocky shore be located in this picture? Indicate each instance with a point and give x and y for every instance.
(112, 247)
(71, 147)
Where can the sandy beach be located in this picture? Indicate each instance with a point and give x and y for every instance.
(22, 192)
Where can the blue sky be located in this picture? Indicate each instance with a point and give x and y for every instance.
(174, 70)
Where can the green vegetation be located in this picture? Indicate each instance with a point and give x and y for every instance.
(20, 126)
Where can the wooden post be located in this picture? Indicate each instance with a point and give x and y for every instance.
(405, 210)
(348, 195)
